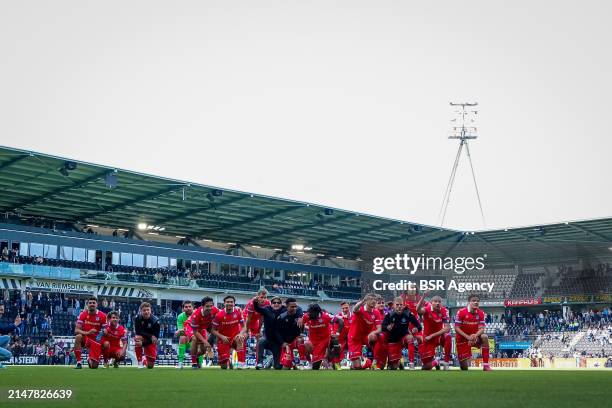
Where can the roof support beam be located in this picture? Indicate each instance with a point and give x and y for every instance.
(260, 217)
(14, 160)
(195, 211)
(353, 232)
(131, 202)
(589, 232)
(57, 191)
(501, 251)
(300, 228)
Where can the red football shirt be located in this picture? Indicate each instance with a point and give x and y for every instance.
(318, 329)
(468, 322)
(87, 321)
(228, 324)
(199, 322)
(363, 322)
(347, 324)
(255, 321)
(114, 335)
(434, 321)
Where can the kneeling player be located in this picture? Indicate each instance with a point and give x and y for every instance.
(146, 326)
(319, 324)
(180, 332)
(88, 326)
(363, 331)
(114, 340)
(196, 329)
(227, 326)
(469, 332)
(436, 329)
(411, 300)
(397, 325)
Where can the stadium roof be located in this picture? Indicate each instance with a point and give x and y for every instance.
(39, 185)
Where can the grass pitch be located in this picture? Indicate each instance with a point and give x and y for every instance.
(128, 387)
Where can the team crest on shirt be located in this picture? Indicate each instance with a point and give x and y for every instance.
(97, 318)
(403, 320)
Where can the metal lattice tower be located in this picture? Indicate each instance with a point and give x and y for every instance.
(463, 129)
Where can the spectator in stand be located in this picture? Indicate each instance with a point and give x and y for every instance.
(5, 329)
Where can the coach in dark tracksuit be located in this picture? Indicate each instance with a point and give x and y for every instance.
(271, 340)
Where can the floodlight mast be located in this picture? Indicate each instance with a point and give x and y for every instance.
(464, 132)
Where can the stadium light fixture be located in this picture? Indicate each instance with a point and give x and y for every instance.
(464, 131)
(297, 247)
(93, 225)
(180, 236)
(142, 226)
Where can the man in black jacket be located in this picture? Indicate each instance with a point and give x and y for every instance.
(270, 340)
(146, 327)
(396, 325)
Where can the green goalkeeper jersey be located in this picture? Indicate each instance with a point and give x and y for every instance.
(180, 321)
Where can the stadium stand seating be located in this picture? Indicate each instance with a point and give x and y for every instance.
(525, 286)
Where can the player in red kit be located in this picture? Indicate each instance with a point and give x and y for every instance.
(228, 327)
(346, 315)
(469, 332)
(411, 299)
(363, 331)
(320, 325)
(114, 340)
(252, 319)
(196, 329)
(436, 332)
(380, 348)
(89, 324)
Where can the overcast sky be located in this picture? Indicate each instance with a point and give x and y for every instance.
(343, 103)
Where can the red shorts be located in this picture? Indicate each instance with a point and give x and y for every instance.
(287, 355)
(188, 330)
(255, 328)
(464, 350)
(224, 349)
(355, 346)
(428, 348)
(319, 349)
(150, 352)
(394, 351)
(191, 333)
(95, 348)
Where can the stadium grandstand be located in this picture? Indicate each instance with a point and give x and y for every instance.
(71, 229)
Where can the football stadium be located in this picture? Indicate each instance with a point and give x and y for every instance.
(120, 288)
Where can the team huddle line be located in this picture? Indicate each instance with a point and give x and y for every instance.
(410, 323)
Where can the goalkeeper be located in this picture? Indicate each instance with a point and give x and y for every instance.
(180, 332)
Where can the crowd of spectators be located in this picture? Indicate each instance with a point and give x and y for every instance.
(191, 276)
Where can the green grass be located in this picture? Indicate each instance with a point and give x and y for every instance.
(128, 387)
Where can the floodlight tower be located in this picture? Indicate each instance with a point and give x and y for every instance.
(463, 129)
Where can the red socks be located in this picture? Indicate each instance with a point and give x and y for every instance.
(138, 351)
(411, 352)
(79, 355)
(448, 344)
(485, 354)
